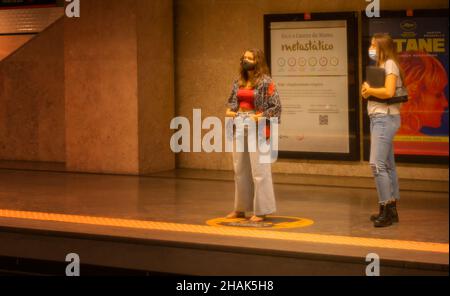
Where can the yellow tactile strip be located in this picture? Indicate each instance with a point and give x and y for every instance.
(231, 231)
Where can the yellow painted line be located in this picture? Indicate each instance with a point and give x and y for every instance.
(232, 231)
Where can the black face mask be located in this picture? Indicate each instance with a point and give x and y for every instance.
(248, 66)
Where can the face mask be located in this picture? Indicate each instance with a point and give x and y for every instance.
(373, 54)
(248, 66)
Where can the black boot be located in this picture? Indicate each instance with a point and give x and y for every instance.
(375, 216)
(385, 219)
(394, 213)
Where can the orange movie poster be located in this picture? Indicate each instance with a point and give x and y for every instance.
(422, 44)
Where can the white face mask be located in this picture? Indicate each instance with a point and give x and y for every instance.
(373, 54)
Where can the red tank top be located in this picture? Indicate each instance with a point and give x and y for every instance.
(246, 98)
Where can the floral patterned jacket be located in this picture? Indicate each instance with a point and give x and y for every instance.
(267, 99)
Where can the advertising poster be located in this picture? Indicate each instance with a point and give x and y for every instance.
(422, 45)
(310, 67)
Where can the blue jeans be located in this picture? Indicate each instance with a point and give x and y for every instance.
(382, 130)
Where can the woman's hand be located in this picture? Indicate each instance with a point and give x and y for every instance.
(385, 92)
(230, 113)
(365, 90)
(257, 116)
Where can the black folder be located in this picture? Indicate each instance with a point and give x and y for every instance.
(375, 77)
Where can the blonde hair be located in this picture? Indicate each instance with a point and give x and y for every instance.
(386, 50)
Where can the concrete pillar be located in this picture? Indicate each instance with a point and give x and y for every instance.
(116, 79)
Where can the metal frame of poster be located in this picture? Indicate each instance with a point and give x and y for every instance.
(423, 136)
(351, 142)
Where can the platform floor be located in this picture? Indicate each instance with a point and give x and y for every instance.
(175, 205)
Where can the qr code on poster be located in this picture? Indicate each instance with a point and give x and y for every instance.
(323, 119)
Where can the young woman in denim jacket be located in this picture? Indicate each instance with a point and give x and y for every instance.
(253, 96)
(384, 124)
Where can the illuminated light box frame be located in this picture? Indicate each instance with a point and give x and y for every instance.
(414, 143)
(317, 77)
